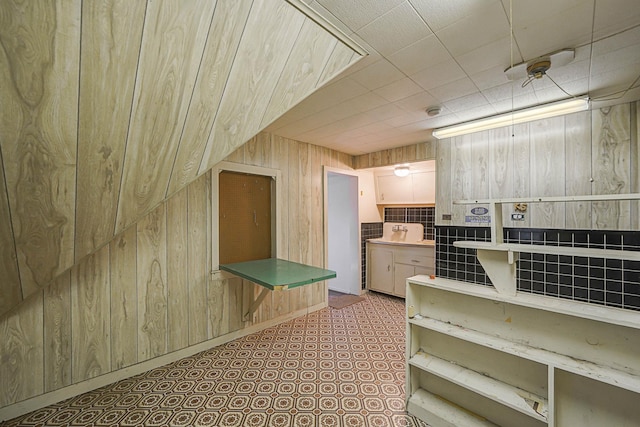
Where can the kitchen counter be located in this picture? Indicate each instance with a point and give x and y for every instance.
(421, 243)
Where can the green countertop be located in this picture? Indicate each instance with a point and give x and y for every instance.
(278, 274)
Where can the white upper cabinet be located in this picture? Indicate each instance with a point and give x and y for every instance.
(417, 187)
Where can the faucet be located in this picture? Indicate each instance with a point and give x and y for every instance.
(399, 228)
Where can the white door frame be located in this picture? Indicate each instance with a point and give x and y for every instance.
(356, 288)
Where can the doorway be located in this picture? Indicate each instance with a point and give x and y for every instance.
(342, 231)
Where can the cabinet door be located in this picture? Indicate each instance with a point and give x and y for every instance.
(394, 189)
(380, 274)
(424, 187)
(400, 275)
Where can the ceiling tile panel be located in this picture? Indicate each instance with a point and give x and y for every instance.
(422, 54)
(611, 15)
(467, 102)
(438, 75)
(418, 102)
(489, 78)
(355, 14)
(377, 75)
(487, 56)
(455, 89)
(440, 14)
(399, 90)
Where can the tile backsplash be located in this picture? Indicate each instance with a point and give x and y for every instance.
(609, 282)
(424, 215)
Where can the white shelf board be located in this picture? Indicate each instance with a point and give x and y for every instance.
(582, 198)
(552, 250)
(600, 313)
(488, 387)
(438, 412)
(580, 367)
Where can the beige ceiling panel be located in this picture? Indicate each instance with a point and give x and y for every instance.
(489, 78)
(630, 37)
(456, 89)
(473, 31)
(475, 100)
(507, 91)
(422, 54)
(398, 28)
(486, 57)
(417, 103)
(439, 75)
(357, 13)
(614, 14)
(399, 90)
(440, 14)
(377, 75)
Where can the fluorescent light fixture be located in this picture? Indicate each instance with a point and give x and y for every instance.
(515, 117)
(401, 170)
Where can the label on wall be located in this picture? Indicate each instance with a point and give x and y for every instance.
(478, 215)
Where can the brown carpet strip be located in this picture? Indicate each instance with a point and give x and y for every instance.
(335, 367)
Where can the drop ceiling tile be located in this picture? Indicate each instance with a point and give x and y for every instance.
(473, 31)
(515, 103)
(412, 117)
(455, 89)
(492, 77)
(335, 93)
(507, 91)
(384, 112)
(377, 75)
(398, 28)
(466, 102)
(438, 75)
(422, 54)
(476, 113)
(399, 90)
(355, 14)
(490, 55)
(625, 57)
(611, 15)
(440, 14)
(618, 41)
(565, 29)
(418, 102)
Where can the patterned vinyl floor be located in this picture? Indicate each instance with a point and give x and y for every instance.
(330, 368)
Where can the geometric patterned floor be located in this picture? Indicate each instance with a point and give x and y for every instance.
(335, 367)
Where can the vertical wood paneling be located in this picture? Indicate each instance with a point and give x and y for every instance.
(235, 307)
(341, 57)
(461, 175)
(261, 57)
(90, 319)
(40, 43)
(57, 333)
(222, 44)
(611, 169)
(10, 289)
(219, 308)
(124, 299)
(111, 35)
(177, 275)
(304, 217)
(318, 290)
(521, 166)
(295, 216)
(21, 370)
(635, 162)
(501, 168)
(152, 284)
(547, 171)
(172, 44)
(578, 168)
(258, 150)
(197, 266)
(443, 181)
(311, 51)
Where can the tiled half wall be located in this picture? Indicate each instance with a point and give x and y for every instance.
(608, 282)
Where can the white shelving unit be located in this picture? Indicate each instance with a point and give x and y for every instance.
(499, 259)
(479, 357)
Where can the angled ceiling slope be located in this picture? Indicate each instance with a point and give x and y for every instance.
(118, 105)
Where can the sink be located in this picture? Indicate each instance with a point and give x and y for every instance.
(399, 233)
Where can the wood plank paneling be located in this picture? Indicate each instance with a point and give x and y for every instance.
(611, 169)
(57, 333)
(318, 290)
(198, 261)
(21, 347)
(461, 175)
(341, 58)
(10, 289)
(228, 24)
(172, 44)
(39, 132)
(443, 182)
(303, 70)
(124, 299)
(547, 171)
(111, 36)
(177, 275)
(521, 166)
(261, 57)
(90, 317)
(578, 168)
(218, 307)
(152, 284)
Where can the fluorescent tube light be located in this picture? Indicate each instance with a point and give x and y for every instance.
(521, 116)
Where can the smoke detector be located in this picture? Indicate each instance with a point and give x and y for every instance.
(536, 68)
(433, 111)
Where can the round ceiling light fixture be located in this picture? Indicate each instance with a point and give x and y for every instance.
(401, 170)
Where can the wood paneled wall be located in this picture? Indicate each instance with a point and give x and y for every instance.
(393, 156)
(592, 152)
(150, 293)
(114, 105)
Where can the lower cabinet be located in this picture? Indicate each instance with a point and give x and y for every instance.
(477, 358)
(389, 266)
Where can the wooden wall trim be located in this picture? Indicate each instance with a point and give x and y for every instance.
(46, 399)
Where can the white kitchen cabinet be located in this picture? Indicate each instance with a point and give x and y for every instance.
(389, 265)
(380, 268)
(417, 187)
(479, 357)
